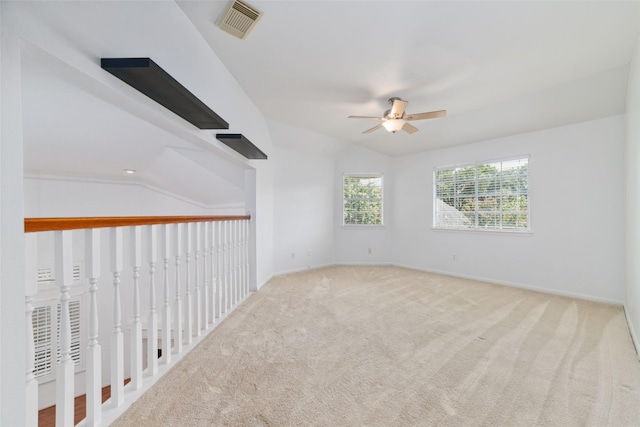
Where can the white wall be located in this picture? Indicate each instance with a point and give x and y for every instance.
(303, 202)
(632, 297)
(12, 292)
(577, 214)
(303, 214)
(60, 196)
(352, 243)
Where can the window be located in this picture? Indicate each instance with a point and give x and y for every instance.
(482, 196)
(46, 323)
(362, 200)
(46, 332)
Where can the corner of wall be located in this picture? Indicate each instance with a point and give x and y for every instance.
(632, 249)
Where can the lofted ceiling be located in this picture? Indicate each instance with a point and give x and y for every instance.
(498, 68)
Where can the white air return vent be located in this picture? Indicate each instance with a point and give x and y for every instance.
(239, 19)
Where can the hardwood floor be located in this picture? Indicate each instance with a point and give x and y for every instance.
(47, 416)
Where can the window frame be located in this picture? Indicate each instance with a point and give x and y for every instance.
(476, 227)
(376, 175)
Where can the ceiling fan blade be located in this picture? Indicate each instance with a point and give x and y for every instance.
(376, 127)
(409, 128)
(429, 115)
(398, 107)
(365, 117)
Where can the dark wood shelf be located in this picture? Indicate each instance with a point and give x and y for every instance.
(146, 76)
(241, 144)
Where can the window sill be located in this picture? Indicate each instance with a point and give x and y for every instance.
(483, 231)
(362, 227)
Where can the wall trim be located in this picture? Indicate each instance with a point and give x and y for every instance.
(77, 179)
(470, 277)
(516, 285)
(301, 269)
(632, 332)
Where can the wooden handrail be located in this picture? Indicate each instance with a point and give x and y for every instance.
(32, 225)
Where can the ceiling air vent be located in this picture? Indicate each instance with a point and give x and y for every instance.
(239, 19)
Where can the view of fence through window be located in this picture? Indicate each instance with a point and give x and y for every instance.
(362, 196)
(483, 196)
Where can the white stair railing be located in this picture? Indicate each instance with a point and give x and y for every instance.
(65, 380)
(94, 351)
(136, 326)
(166, 307)
(220, 272)
(197, 308)
(117, 338)
(177, 245)
(152, 323)
(188, 305)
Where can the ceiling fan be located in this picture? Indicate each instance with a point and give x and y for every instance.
(395, 118)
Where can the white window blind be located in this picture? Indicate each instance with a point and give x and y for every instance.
(482, 196)
(46, 331)
(362, 199)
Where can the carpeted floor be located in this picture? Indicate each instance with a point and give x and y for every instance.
(386, 346)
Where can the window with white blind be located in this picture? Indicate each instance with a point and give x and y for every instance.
(46, 334)
(46, 322)
(491, 195)
(362, 199)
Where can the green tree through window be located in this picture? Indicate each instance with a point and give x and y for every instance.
(362, 200)
(487, 195)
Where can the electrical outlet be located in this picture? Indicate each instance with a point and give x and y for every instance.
(369, 250)
(293, 254)
(454, 257)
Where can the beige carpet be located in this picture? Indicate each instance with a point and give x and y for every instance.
(385, 346)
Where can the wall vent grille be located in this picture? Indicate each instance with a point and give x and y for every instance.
(239, 19)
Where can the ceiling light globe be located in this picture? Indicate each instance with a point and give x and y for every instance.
(393, 125)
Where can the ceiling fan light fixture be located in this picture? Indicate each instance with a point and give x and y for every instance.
(393, 125)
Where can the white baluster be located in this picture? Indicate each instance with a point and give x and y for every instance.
(218, 268)
(230, 278)
(136, 327)
(225, 264)
(117, 339)
(236, 259)
(166, 312)
(234, 263)
(152, 323)
(64, 380)
(188, 313)
(196, 300)
(245, 257)
(212, 253)
(239, 259)
(31, 289)
(94, 352)
(229, 251)
(178, 303)
(31, 384)
(205, 276)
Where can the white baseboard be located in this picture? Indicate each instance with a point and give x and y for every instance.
(307, 268)
(463, 276)
(632, 331)
(516, 285)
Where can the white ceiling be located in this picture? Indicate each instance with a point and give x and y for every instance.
(498, 68)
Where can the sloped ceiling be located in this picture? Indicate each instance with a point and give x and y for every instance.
(498, 68)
